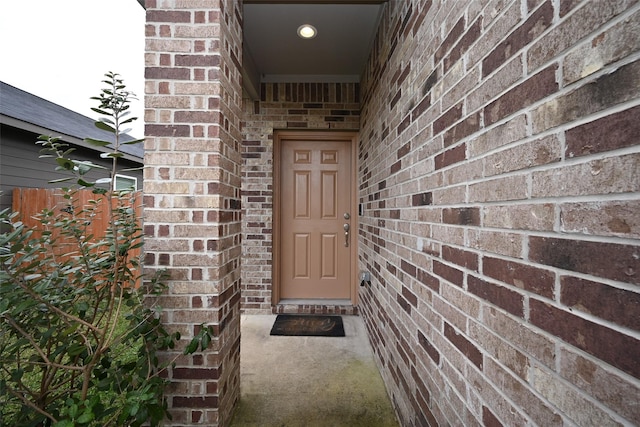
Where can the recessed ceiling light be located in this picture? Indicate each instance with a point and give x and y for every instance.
(307, 31)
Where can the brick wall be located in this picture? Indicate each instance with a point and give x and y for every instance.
(499, 170)
(192, 193)
(298, 106)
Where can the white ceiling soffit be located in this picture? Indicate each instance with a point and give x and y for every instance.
(273, 52)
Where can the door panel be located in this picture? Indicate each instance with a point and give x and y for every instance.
(329, 260)
(302, 202)
(301, 259)
(329, 195)
(315, 194)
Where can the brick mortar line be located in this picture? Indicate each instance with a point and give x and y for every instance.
(551, 337)
(497, 388)
(613, 109)
(605, 70)
(617, 153)
(585, 39)
(559, 272)
(558, 377)
(533, 233)
(528, 294)
(484, 31)
(561, 91)
(627, 196)
(605, 367)
(617, 108)
(526, 384)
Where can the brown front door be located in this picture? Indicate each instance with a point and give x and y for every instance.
(315, 216)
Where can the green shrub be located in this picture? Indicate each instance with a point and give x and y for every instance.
(79, 344)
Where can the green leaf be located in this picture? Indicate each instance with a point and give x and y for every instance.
(84, 183)
(16, 375)
(137, 245)
(192, 347)
(55, 181)
(104, 126)
(86, 417)
(22, 306)
(134, 409)
(83, 168)
(75, 349)
(66, 164)
(97, 110)
(135, 141)
(132, 119)
(97, 142)
(73, 410)
(82, 306)
(206, 339)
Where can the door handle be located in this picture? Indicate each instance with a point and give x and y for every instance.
(346, 228)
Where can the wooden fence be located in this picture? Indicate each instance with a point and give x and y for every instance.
(30, 202)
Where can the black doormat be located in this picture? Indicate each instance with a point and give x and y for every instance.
(307, 325)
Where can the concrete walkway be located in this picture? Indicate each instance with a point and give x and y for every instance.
(309, 381)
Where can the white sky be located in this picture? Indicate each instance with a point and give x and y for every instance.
(60, 50)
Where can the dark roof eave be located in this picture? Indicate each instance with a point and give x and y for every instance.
(39, 130)
(27, 110)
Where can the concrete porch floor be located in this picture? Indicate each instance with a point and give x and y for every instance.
(309, 381)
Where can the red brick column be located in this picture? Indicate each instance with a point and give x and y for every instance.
(192, 193)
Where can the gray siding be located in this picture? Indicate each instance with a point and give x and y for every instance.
(20, 165)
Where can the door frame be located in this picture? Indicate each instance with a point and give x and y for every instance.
(312, 135)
